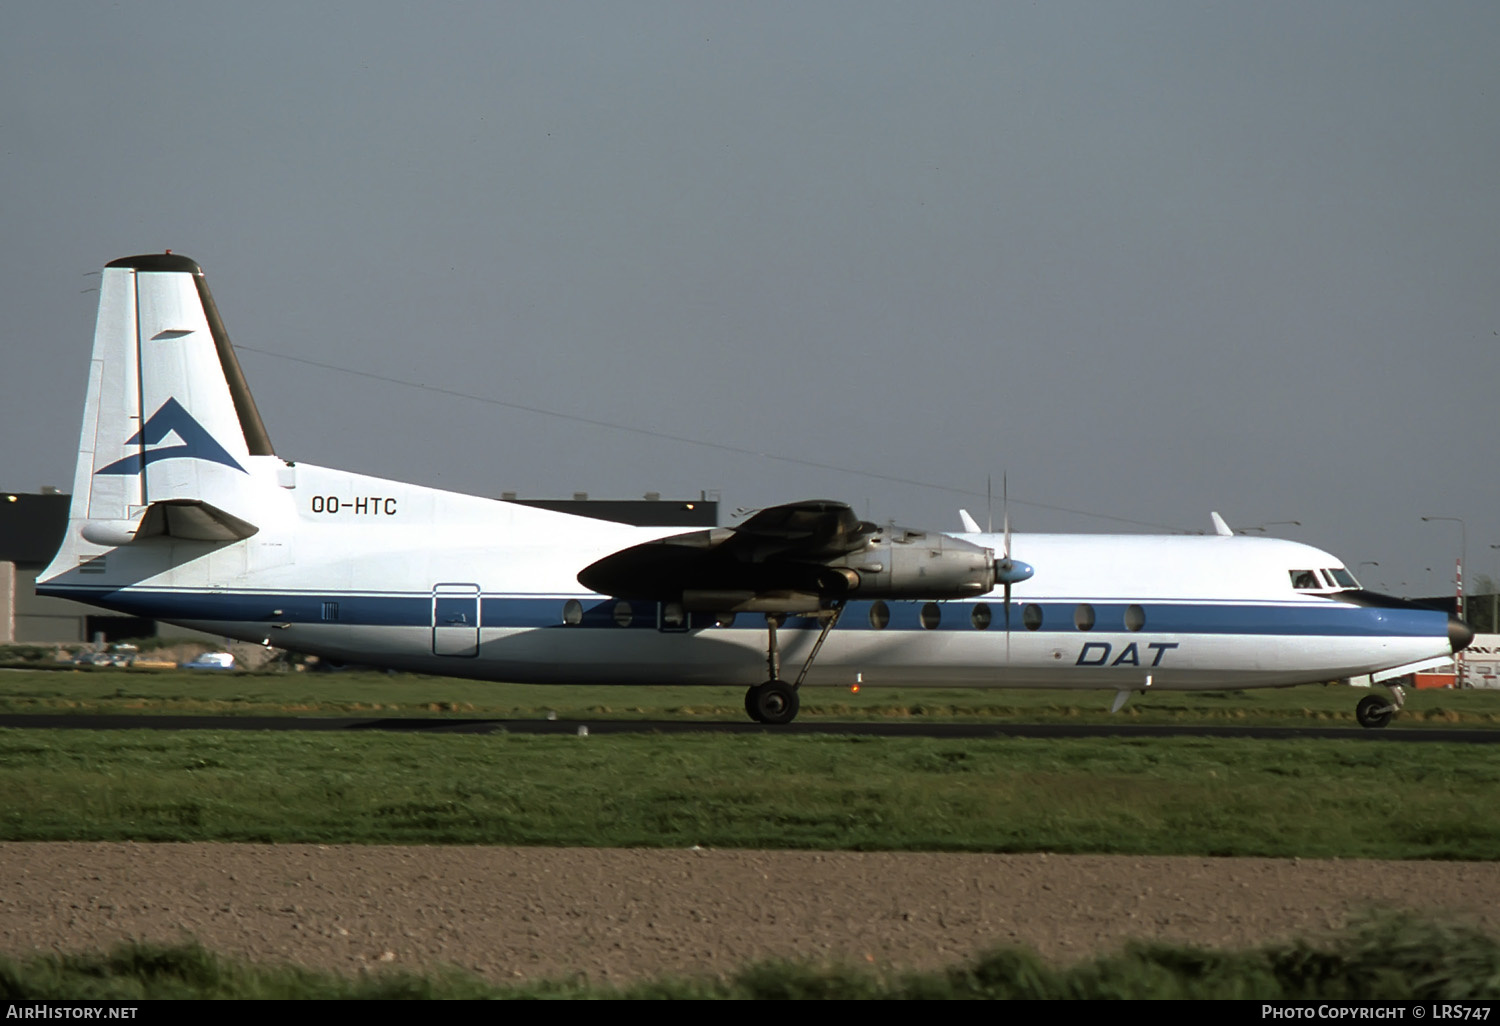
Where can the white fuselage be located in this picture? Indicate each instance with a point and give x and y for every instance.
(365, 570)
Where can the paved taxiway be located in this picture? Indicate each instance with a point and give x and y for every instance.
(472, 725)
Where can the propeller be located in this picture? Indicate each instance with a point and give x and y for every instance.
(1009, 571)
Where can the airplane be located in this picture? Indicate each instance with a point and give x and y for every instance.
(183, 512)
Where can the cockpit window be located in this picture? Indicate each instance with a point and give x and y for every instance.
(1344, 578)
(1304, 580)
(1326, 579)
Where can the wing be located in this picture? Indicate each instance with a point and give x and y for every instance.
(799, 557)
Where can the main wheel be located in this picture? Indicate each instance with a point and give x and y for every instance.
(773, 702)
(1373, 711)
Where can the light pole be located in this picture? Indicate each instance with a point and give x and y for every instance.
(1495, 594)
(1463, 551)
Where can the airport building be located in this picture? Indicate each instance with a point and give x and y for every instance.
(31, 529)
(32, 526)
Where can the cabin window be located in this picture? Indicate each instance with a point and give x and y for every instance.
(1083, 616)
(1304, 580)
(980, 617)
(572, 612)
(880, 615)
(1031, 616)
(623, 614)
(1343, 577)
(1135, 618)
(931, 616)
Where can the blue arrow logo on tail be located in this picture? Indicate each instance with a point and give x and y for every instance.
(197, 443)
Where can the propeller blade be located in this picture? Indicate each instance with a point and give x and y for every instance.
(1007, 623)
(1008, 571)
(1005, 508)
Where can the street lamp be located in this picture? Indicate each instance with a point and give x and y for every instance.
(1460, 674)
(1495, 594)
(1463, 551)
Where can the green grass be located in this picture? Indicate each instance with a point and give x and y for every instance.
(1388, 959)
(1111, 795)
(379, 694)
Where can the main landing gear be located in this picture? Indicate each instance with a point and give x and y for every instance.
(1374, 712)
(775, 701)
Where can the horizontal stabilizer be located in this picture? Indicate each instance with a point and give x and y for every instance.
(187, 519)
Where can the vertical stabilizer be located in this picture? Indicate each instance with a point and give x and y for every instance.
(168, 419)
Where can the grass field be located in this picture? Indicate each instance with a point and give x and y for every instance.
(1189, 796)
(368, 693)
(1388, 959)
(1109, 795)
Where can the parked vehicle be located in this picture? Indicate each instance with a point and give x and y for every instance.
(210, 661)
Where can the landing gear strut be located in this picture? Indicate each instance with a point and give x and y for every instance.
(1374, 712)
(775, 702)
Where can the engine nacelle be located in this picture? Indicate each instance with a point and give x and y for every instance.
(902, 564)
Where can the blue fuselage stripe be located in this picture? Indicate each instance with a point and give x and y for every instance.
(1329, 618)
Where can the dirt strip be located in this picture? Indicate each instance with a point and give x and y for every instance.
(613, 915)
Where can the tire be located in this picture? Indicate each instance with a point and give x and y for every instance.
(1373, 712)
(775, 702)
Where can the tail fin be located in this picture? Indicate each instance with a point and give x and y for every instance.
(169, 425)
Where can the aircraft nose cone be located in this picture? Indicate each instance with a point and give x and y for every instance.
(1459, 634)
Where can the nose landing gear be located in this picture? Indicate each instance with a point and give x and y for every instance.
(1374, 712)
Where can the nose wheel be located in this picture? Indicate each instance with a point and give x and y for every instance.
(1374, 712)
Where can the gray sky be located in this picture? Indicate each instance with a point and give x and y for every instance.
(1147, 259)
